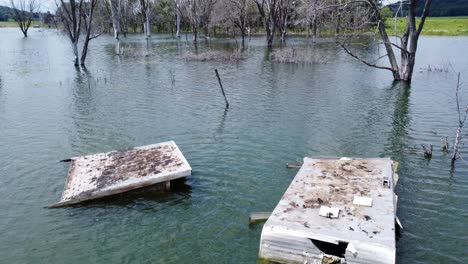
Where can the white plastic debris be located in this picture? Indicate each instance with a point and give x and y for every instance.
(351, 249)
(361, 200)
(329, 212)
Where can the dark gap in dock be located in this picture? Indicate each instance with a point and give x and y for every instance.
(330, 248)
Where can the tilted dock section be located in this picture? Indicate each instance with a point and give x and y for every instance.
(99, 175)
(335, 211)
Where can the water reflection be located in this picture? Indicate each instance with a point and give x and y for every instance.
(400, 121)
(222, 123)
(83, 107)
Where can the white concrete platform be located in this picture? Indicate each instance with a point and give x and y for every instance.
(362, 233)
(99, 175)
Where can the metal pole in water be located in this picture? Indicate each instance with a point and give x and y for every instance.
(222, 89)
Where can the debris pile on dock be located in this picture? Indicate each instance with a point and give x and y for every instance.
(99, 175)
(335, 211)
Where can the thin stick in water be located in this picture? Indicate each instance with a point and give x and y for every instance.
(222, 89)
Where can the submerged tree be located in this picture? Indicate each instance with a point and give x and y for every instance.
(77, 18)
(402, 71)
(462, 115)
(283, 16)
(115, 7)
(198, 14)
(145, 9)
(237, 15)
(177, 13)
(23, 11)
(275, 14)
(267, 10)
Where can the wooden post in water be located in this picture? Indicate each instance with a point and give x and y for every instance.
(222, 89)
(257, 217)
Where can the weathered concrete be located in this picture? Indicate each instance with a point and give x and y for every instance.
(296, 233)
(104, 174)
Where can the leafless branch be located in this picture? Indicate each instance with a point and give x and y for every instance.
(398, 47)
(461, 123)
(364, 61)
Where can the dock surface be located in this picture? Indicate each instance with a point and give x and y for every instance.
(316, 220)
(99, 175)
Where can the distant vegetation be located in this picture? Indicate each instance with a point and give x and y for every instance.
(437, 26)
(7, 18)
(439, 8)
(6, 13)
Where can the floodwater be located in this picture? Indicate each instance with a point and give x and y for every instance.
(279, 113)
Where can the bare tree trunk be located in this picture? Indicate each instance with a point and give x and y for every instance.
(461, 124)
(177, 18)
(283, 30)
(266, 11)
(124, 18)
(147, 20)
(307, 20)
(193, 18)
(75, 52)
(84, 53)
(73, 14)
(314, 24)
(270, 30)
(70, 14)
(338, 19)
(243, 37)
(115, 17)
(387, 44)
(207, 31)
(88, 22)
(145, 11)
(194, 33)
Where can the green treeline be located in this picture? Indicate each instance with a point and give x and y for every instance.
(439, 8)
(5, 13)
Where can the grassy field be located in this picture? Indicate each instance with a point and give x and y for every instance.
(436, 26)
(14, 24)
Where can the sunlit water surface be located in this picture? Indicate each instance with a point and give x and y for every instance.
(279, 113)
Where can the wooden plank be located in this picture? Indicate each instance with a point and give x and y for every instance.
(257, 217)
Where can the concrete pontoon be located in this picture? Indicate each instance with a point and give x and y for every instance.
(99, 175)
(335, 211)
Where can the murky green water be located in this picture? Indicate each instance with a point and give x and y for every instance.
(279, 113)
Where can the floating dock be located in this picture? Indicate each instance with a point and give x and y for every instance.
(99, 175)
(335, 211)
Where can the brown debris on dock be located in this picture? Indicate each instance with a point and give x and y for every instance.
(99, 175)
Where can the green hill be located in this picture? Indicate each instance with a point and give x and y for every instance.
(5, 13)
(439, 8)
